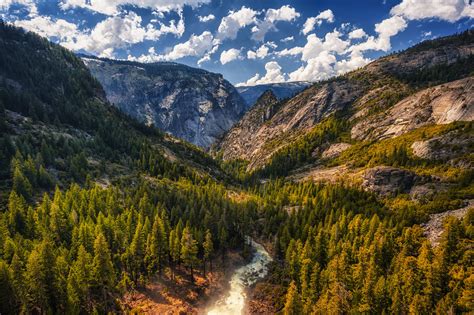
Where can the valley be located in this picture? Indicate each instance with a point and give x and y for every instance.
(119, 194)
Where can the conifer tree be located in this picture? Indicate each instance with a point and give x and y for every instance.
(103, 273)
(189, 250)
(208, 247)
(293, 304)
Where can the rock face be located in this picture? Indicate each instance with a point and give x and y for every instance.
(389, 181)
(388, 97)
(442, 104)
(236, 140)
(281, 90)
(335, 150)
(445, 147)
(294, 116)
(189, 103)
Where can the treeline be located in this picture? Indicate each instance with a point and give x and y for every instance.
(342, 251)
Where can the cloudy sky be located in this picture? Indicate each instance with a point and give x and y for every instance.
(248, 41)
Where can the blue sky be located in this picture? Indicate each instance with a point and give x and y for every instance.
(249, 42)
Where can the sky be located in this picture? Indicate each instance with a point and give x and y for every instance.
(248, 41)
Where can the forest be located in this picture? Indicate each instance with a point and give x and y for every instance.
(93, 204)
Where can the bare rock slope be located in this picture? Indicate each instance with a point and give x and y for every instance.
(189, 103)
(430, 83)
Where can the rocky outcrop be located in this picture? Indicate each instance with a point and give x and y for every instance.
(433, 229)
(192, 104)
(335, 150)
(281, 90)
(441, 104)
(446, 147)
(236, 141)
(389, 181)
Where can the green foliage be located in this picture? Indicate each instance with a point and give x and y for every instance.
(301, 151)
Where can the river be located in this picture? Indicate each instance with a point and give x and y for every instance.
(233, 302)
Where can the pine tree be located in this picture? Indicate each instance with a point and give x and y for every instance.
(79, 282)
(40, 278)
(292, 301)
(208, 247)
(8, 298)
(103, 273)
(189, 250)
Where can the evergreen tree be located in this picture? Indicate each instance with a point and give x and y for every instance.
(208, 247)
(189, 250)
(103, 273)
(292, 301)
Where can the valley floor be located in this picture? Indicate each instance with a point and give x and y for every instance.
(180, 296)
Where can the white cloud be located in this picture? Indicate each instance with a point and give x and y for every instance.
(314, 46)
(111, 7)
(234, 21)
(273, 75)
(311, 22)
(197, 45)
(317, 68)
(426, 34)
(207, 55)
(272, 16)
(385, 29)
(230, 55)
(448, 10)
(262, 51)
(60, 29)
(29, 4)
(206, 18)
(109, 34)
(356, 61)
(357, 33)
(288, 39)
(290, 52)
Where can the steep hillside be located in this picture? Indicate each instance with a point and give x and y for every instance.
(89, 197)
(189, 103)
(377, 99)
(281, 90)
(101, 214)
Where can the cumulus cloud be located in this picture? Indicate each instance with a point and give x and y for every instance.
(206, 18)
(262, 51)
(272, 16)
(448, 10)
(112, 33)
(273, 75)
(355, 61)
(311, 22)
(288, 39)
(317, 68)
(234, 21)
(314, 46)
(112, 7)
(357, 33)
(385, 30)
(197, 45)
(29, 4)
(230, 55)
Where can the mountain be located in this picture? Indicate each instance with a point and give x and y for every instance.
(281, 90)
(89, 197)
(387, 98)
(192, 104)
(365, 201)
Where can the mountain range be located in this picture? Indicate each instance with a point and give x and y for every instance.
(192, 104)
(360, 187)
